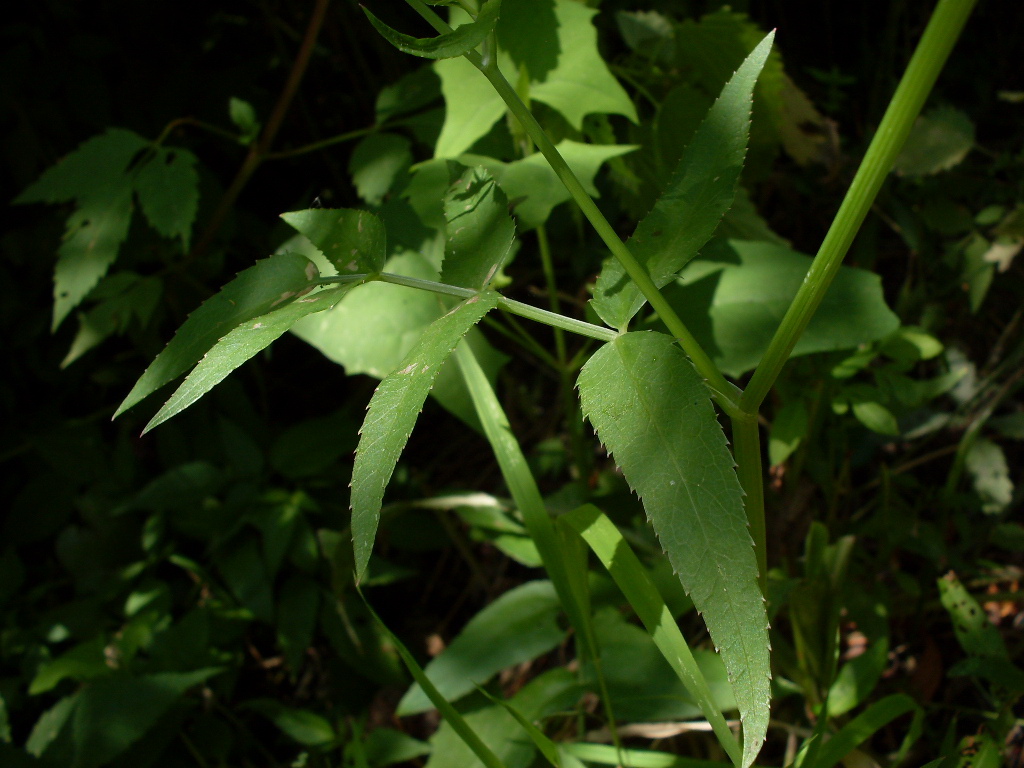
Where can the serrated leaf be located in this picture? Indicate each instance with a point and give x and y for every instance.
(392, 413)
(653, 412)
(253, 292)
(479, 230)
(555, 42)
(702, 190)
(240, 344)
(168, 190)
(459, 41)
(517, 627)
(353, 241)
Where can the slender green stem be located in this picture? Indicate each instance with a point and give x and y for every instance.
(509, 305)
(932, 51)
(746, 439)
(322, 144)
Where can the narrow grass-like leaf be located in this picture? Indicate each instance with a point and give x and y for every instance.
(353, 241)
(605, 754)
(615, 554)
(253, 292)
(546, 746)
(653, 412)
(393, 411)
(448, 712)
(461, 40)
(479, 230)
(239, 345)
(861, 728)
(697, 197)
(518, 626)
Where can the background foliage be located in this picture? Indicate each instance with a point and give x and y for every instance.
(166, 598)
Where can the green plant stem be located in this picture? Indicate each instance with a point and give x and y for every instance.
(509, 305)
(305, 149)
(746, 439)
(932, 51)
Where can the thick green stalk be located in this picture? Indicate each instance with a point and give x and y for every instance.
(932, 51)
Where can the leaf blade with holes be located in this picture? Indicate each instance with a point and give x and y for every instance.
(449, 45)
(253, 292)
(392, 413)
(653, 412)
(701, 191)
(239, 345)
(353, 241)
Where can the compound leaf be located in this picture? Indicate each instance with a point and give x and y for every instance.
(353, 241)
(392, 413)
(479, 233)
(652, 410)
(253, 292)
(239, 345)
(700, 193)
(459, 41)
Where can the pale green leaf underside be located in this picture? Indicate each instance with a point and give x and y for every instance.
(446, 46)
(239, 345)
(479, 231)
(353, 241)
(518, 626)
(392, 413)
(653, 412)
(563, 62)
(253, 292)
(698, 196)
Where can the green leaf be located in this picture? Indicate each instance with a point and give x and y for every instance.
(385, 746)
(480, 232)
(377, 162)
(298, 605)
(975, 633)
(49, 729)
(392, 413)
(168, 190)
(83, 662)
(301, 725)
(239, 345)
(253, 292)
(353, 241)
(734, 296)
(116, 711)
(615, 554)
(563, 63)
(939, 140)
(986, 463)
(863, 727)
(518, 626)
(702, 190)
(653, 412)
(244, 117)
(789, 428)
(608, 754)
(459, 41)
(544, 745)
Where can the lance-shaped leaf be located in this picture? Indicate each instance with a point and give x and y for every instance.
(353, 241)
(392, 414)
(652, 410)
(479, 232)
(698, 196)
(253, 292)
(455, 43)
(239, 345)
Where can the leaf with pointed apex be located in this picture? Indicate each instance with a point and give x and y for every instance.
(253, 292)
(700, 193)
(479, 232)
(354, 241)
(392, 413)
(242, 343)
(653, 412)
(459, 41)
(168, 190)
